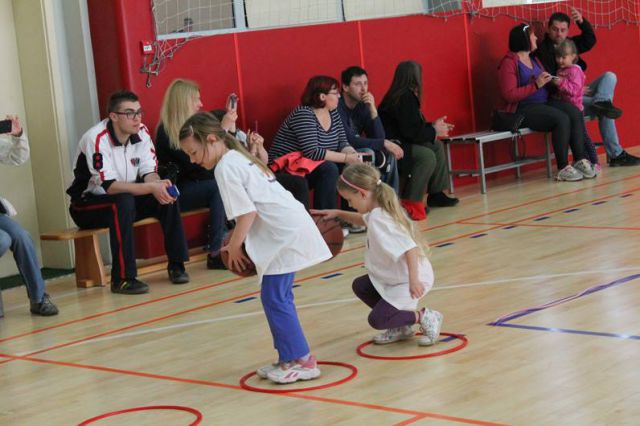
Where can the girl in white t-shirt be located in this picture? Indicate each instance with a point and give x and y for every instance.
(279, 236)
(399, 273)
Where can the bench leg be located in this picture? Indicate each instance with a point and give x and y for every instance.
(448, 154)
(516, 155)
(89, 266)
(483, 177)
(547, 153)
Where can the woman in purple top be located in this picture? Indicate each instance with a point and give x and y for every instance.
(522, 82)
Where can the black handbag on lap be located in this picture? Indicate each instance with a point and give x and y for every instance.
(506, 121)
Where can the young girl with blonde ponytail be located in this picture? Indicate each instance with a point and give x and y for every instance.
(399, 273)
(279, 236)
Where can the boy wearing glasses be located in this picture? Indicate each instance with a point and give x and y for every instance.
(116, 183)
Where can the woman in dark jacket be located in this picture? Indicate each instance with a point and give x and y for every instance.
(423, 167)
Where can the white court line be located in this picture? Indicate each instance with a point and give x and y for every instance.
(337, 301)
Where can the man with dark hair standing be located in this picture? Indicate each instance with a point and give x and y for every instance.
(116, 183)
(357, 109)
(599, 96)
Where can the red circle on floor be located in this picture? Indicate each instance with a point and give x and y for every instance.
(354, 373)
(463, 342)
(193, 411)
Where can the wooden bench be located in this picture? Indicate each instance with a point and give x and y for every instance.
(479, 139)
(90, 270)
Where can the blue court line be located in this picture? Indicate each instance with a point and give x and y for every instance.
(447, 339)
(510, 227)
(244, 300)
(591, 290)
(444, 245)
(567, 330)
(297, 285)
(326, 277)
(570, 211)
(478, 235)
(626, 195)
(597, 203)
(541, 218)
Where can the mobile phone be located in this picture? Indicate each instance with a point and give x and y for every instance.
(5, 126)
(367, 158)
(233, 101)
(554, 77)
(173, 191)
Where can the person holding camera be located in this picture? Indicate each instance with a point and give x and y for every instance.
(116, 183)
(14, 151)
(363, 127)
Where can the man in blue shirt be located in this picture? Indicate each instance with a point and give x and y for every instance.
(359, 115)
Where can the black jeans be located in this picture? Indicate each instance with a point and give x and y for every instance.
(564, 121)
(323, 180)
(118, 212)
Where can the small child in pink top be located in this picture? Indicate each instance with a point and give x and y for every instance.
(570, 83)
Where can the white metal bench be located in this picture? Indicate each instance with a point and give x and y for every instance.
(488, 136)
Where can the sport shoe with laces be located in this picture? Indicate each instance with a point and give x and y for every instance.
(430, 325)
(45, 308)
(294, 371)
(623, 160)
(215, 262)
(569, 174)
(393, 335)
(584, 166)
(440, 199)
(129, 286)
(263, 372)
(178, 276)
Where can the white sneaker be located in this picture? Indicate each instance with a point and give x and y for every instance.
(295, 371)
(262, 372)
(393, 335)
(584, 166)
(430, 325)
(569, 174)
(353, 229)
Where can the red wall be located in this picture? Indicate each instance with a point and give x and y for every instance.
(269, 68)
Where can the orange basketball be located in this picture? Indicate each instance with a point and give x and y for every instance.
(224, 255)
(331, 231)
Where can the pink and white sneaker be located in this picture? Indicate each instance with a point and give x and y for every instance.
(597, 168)
(262, 372)
(294, 371)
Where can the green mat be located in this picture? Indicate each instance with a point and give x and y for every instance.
(47, 273)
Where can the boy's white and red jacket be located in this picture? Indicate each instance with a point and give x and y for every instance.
(101, 160)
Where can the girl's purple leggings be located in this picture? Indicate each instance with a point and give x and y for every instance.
(383, 315)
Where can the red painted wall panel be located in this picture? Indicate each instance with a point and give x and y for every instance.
(274, 65)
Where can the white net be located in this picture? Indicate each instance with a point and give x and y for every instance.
(177, 21)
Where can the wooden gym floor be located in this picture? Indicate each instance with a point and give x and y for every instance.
(507, 267)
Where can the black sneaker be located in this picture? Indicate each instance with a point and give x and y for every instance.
(624, 159)
(130, 286)
(46, 308)
(178, 276)
(606, 109)
(215, 262)
(440, 199)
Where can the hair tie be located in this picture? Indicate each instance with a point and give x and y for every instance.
(379, 182)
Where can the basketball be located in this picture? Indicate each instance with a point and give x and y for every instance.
(331, 232)
(224, 255)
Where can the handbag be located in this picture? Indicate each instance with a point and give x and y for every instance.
(506, 121)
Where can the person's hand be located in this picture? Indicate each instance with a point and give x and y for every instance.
(352, 158)
(16, 127)
(416, 289)
(255, 139)
(556, 81)
(232, 103)
(576, 15)
(442, 127)
(159, 191)
(543, 79)
(238, 261)
(228, 122)
(586, 91)
(327, 215)
(394, 149)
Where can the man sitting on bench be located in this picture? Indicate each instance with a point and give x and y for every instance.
(116, 184)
